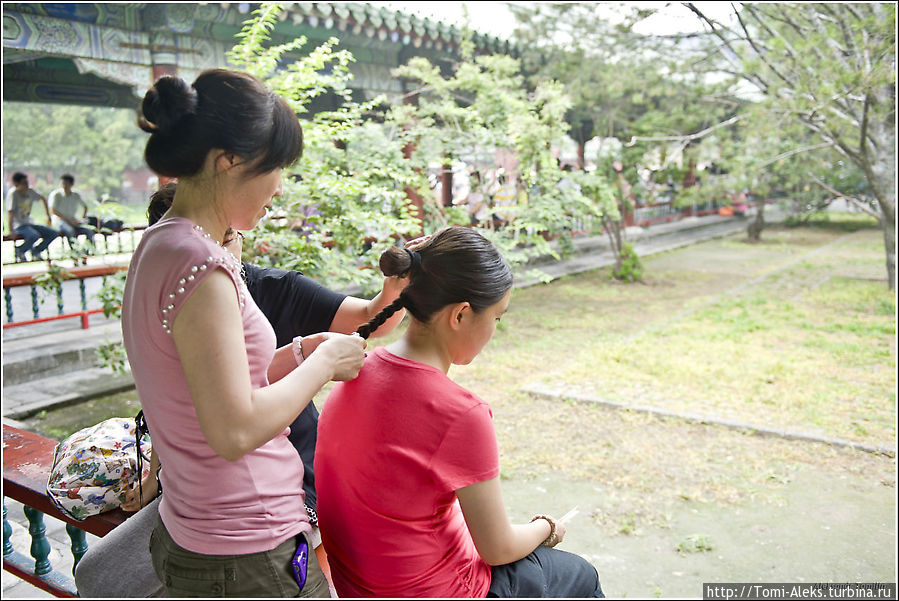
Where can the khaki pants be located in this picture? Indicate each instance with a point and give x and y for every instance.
(184, 573)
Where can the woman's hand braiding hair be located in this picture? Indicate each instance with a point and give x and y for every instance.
(400, 263)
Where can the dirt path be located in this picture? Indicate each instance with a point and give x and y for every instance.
(818, 527)
(667, 504)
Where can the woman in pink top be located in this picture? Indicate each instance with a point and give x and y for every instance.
(407, 467)
(217, 395)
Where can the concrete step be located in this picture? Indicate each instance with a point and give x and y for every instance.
(58, 348)
(28, 398)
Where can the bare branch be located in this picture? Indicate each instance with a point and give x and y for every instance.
(762, 55)
(838, 53)
(755, 78)
(852, 9)
(855, 201)
(851, 120)
(848, 39)
(834, 140)
(863, 137)
(688, 137)
(792, 152)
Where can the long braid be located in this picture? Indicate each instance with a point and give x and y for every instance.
(456, 264)
(367, 329)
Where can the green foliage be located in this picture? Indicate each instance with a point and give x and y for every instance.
(112, 356)
(844, 222)
(597, 195)
(94, 144)
(630, 268)
(829, 70)
(481, 108)
(346, 198)
(111, 293)
(695, 543)
(50, 281)
(622, 83)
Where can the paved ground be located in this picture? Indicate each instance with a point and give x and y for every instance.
(621, 561)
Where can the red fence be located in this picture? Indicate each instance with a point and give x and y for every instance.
(79, 274)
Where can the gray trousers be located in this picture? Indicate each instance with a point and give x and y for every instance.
(119, 564)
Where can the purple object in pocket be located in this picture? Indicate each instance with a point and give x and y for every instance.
(298, 563)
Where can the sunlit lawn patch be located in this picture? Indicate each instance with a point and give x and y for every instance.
(810, 348)
(777, 334)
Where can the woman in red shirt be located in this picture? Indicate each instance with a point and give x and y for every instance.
(407, 466)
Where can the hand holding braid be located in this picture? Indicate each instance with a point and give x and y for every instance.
(394, 263)
(456, 264)
(366, 329)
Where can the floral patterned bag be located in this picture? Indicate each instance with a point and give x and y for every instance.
(94, 468)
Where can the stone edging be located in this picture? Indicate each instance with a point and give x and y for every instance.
(552, 394)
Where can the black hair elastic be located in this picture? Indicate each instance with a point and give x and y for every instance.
(415, 257)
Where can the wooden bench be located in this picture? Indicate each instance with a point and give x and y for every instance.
(27, 458)
(13, 238)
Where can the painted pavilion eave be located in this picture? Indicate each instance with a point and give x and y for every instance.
(108, 54)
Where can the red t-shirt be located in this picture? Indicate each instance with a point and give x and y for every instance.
(393, 447)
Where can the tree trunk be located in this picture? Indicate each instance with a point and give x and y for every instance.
(613, 229)
(446, 185)
(754, 229)
(889, 242)
(882, 178)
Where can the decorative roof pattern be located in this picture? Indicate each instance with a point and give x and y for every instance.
(387, 24)
(108, 48)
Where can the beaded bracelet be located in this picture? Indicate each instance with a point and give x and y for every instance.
(298, 349)
(553, 539)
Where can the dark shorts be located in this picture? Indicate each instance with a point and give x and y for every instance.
(184, 573)
(546, 573)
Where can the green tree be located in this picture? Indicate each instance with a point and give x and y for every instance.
(95, 144)
(481, 107)
(345, 200)
(624, 85)
(830, 69)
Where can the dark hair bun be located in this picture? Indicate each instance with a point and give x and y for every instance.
(166, 103)
(394, 261)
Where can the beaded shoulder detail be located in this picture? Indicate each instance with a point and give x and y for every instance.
(227, 260)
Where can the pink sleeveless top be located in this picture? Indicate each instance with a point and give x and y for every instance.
(210, 505)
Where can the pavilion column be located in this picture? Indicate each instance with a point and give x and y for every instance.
(446, 184)
(160, 70)
(165, 21)
(163, 55)
(164, 62)
(408, 149)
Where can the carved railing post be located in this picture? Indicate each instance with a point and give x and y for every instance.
(79, 543)
(40, 546)
(7, 533)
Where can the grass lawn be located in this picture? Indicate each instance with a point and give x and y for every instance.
(797, 332)
(804, 341)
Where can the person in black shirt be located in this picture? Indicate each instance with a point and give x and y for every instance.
(296, 305)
